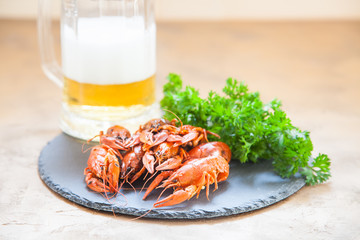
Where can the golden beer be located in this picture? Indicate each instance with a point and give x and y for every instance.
(111, 95)
(108, 66)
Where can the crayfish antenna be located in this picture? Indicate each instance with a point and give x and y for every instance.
(181, 123)
(148, 179)
(126, 180)
(98, 135)
(143, 215)
(131, 186)
(87, 142)
(146, 213)
(211, 133)
(113, 196)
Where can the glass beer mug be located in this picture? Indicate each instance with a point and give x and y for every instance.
(108, 52)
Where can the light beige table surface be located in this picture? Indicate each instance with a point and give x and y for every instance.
(313, 67)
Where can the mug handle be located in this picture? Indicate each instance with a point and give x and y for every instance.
(49, 64)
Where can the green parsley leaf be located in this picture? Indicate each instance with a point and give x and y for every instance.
(252, 129)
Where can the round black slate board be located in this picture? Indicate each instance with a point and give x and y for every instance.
(249, 187)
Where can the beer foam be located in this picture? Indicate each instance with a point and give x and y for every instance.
(109, 50)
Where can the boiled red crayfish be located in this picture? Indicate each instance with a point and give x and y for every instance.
(179, 157)
(207, 163)
(103, 170)
(117, 138)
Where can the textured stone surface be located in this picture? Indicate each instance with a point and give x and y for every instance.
(249, 187)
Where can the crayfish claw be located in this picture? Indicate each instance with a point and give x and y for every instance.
(94, 183)
(156, 182)
(177, 197)
(149, 162)
(169, 164)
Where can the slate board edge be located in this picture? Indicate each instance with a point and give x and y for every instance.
(164, 214)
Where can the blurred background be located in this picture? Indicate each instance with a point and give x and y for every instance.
(221, 9)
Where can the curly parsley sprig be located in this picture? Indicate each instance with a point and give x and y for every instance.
(252, 129)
